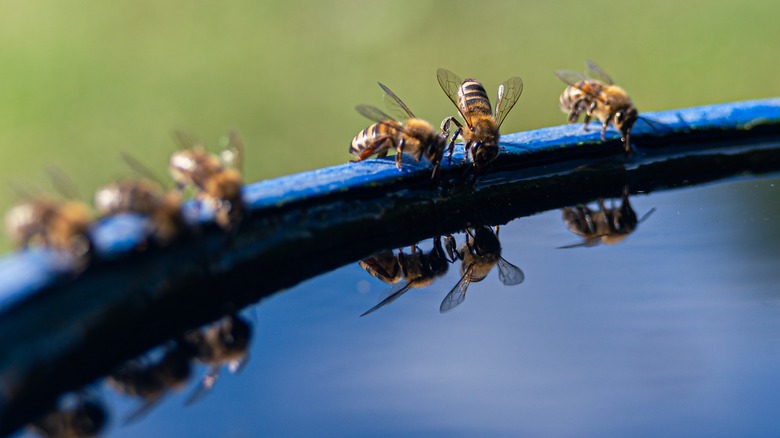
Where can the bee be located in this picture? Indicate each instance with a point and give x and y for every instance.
(151, 380)
(606, 225)
(598, 96)
(147, 198)
(481, 133)
(216, 179)
(414, 137)
(225, 342)
(51, 222)
(480, 254)
(418, 269)
(85, 418)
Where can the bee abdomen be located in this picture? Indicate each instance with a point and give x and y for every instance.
(368, 137)
(473, 98)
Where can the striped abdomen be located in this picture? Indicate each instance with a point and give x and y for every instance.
(579, 94)
(376, 139)
(473, 99)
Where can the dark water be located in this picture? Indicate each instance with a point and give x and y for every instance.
(673, 332)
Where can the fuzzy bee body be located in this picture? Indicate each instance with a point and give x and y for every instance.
(414, 137)
(50, 222)
(216, 180)
(598, 97)
(146, 198)
(481, 132)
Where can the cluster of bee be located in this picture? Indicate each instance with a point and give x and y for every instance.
(224, 343)
(481, 252)
(594, 93)
(63, 223)
(478, 255)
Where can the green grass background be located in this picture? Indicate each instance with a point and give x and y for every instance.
(82, 81)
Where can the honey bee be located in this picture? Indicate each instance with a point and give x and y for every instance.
(147, 198)
(216, 180)
(51, 222)
(598, 96)
(151, 380)
(85, 418)
(414, 137)
(418, 269)
(225, 342)
(481, 133)
(606, 225)
(479, 255)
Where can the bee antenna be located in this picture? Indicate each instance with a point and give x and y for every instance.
(647, 215)
(649, 123)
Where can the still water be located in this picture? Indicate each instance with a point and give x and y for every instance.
(672, 332)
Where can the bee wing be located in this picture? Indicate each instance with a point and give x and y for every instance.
(185, 140)
(451, 84)
(233, 152)
(458, 293)
(596, 72)
(573, 78)
(62, 183)
(508, 93)
(373, 113)
(390, 296)
(205, 386)
(508, 273)
(394, 103)
(144, 409)
(140, 168)
(587, 243)
(570, 77)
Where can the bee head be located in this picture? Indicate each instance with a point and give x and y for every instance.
(434, 150)
(625, 119)
(484, 153)
(225, 185)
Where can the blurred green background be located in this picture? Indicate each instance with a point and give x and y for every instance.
(82, 81)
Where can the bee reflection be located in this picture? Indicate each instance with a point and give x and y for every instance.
(225, 342)
(605, 225)
(418, 269)
(150, 380)
(84, 418)
(480, 254)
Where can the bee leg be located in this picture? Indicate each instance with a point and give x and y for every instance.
(604, 127)
(451, 247)
(626, 144)
(587, 120)
(399, 154)
(402, 262)
(445, 127)
(576, 109)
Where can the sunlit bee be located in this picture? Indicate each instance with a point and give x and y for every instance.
(598, 96)
(224, 343)
(216, 179)
(480, 254)
(414, 137)
(144, 197)
(606, 225)
(481, 132)
(51, 222)
(86, 418)
(150, 380)
(418, 269)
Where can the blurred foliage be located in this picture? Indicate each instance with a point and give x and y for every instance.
(82, 81)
